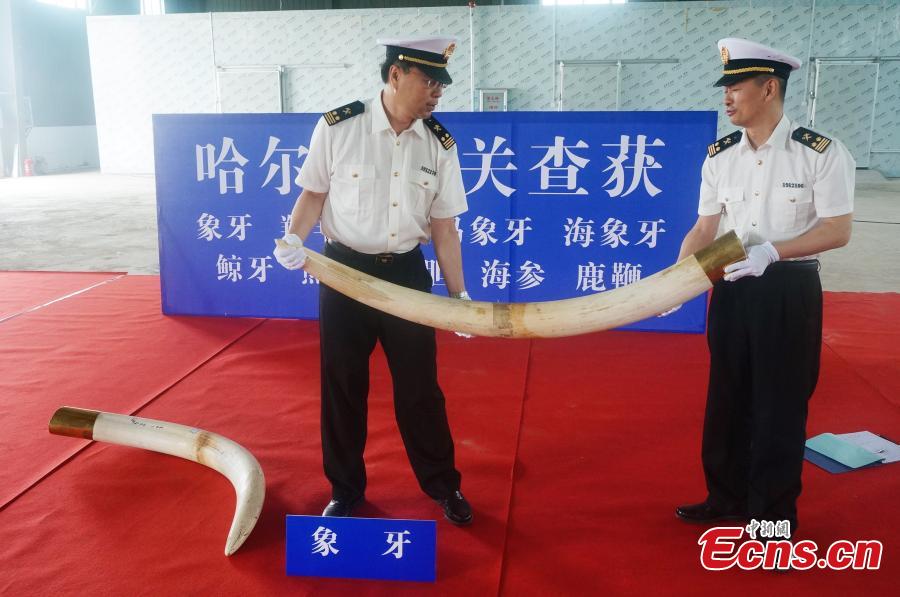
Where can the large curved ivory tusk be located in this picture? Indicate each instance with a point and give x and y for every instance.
(210, 449)
(665, 289)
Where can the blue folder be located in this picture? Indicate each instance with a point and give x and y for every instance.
(832, 466)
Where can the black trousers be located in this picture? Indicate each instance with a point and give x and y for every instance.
(765, 338)
(349, 331)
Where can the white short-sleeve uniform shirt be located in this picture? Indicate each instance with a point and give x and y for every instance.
(778, 191)
(383, 188)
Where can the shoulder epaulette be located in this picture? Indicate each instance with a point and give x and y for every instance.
(442, 134)
(811, 139)
(724, 143)
(344, 112)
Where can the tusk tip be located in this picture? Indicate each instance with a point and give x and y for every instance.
(250, 498)
(237, 537)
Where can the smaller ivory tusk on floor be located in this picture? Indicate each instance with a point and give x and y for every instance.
(231, 459)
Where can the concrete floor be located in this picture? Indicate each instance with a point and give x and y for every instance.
(79, 222)
(95, 222)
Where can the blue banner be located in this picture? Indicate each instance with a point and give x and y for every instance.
(372, 548)
(561, 204)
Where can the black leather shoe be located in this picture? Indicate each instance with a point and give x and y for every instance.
(456, 509)
(341, 508)
(703, 512)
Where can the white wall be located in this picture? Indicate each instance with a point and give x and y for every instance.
(169, 64)
(143, 66)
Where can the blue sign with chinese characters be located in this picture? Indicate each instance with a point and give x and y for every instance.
(561, 204)
(371, 548)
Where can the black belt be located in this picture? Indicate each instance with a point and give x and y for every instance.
(804, 264)
(379, 258)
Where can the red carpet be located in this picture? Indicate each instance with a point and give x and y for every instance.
(21, 291)
(109, 348)
(864, 330)
(263, 392)
(611, 444)
(573, 452)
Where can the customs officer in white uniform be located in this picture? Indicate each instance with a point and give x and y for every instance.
(383, 176)
(787, 191)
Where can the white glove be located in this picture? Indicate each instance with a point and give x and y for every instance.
(463, 296)
(670, 311)
(758, 259)
(293, 256)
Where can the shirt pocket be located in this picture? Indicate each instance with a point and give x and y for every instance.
(352, 190)
(731, 200)
(423, 188)
(792, 209)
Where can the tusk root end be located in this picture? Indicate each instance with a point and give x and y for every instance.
(73, 422)
(723, 251)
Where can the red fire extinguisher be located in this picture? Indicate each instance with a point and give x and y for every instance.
(28, 167)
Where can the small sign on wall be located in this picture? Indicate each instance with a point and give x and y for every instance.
(492, 100)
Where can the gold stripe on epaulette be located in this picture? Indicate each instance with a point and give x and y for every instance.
(343, 113)
(442, 134)
(714, 149)
(813, 140)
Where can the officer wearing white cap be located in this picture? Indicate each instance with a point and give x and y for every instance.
(428, 54)
(743, 59)
(788, 193)
(383, 176)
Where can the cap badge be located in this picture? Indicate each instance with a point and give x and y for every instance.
(725, 56)
(449, 51)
